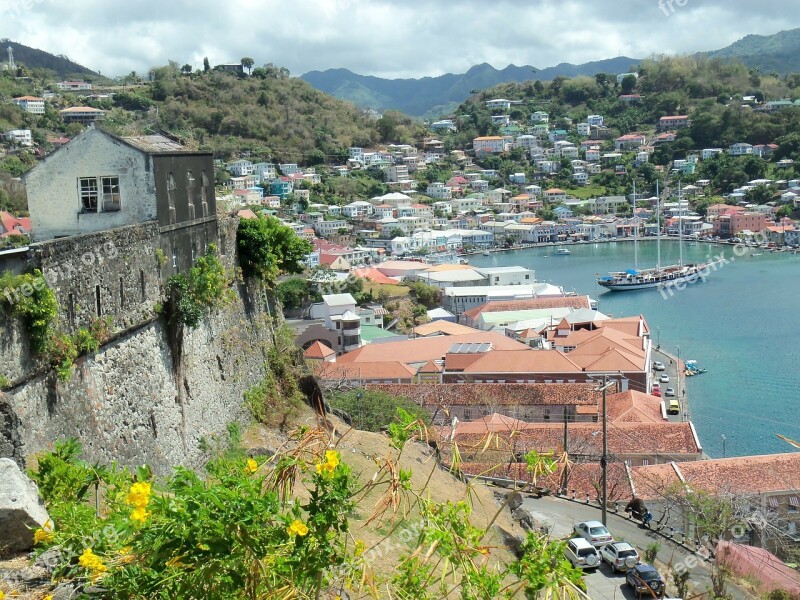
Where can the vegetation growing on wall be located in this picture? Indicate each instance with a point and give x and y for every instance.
(267, 248)
(277, 397)
(28, 296)
(205, 287)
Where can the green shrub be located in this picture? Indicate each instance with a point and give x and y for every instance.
(268, 248)
(205, 287)
(29, 297)
(62, 352)
(374, 410)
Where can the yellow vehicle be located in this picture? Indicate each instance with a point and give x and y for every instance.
(674, 407)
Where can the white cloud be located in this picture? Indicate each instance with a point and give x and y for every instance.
(380, 37)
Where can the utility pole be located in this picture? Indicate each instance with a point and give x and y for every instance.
(604, 458)
(565, 475)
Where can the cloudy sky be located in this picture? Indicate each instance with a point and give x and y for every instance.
(387, 38)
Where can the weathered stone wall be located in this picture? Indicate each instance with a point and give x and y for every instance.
(153, 393)
(134, 403)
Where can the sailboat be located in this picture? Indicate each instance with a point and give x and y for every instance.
(642, 279)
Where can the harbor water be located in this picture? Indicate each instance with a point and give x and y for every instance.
(742, 323)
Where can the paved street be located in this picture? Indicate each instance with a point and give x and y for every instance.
(677, 380)
(560, 515)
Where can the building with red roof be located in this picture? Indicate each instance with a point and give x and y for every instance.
(11, 225)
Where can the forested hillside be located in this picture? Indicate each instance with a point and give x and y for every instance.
(268, 113)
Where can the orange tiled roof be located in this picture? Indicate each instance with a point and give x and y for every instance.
(365, 370)
(318, 350)
(535, 361)
(498, 394)
(763, 474)
(647, 439)
(422, 350)
(442, 328)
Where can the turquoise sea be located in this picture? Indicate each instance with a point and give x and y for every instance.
(742, 324)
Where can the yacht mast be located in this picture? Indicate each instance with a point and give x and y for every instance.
(658, 228)
(635, 230)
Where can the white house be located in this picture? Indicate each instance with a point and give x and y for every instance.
(240, 168)
(20, 137)
(326, 228)
(584, 129)
(580, 177)
(493, 144)
(707, 153)
(740, 149)
(507, 275)
(289, 169)
(73, 86)
(622, 76)
(498, 103)
(30, 104)
(265, 171)
(594, 120)
(540, 116)
(358, 209)
(439, 191)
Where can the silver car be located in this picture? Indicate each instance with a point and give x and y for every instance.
(582, 554)
(621, 556)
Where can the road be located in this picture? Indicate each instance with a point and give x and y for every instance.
(560, 515)
(677, 380)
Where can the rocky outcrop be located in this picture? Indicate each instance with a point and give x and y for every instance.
(21, 511)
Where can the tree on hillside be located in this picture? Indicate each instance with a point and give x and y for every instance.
(268, 248)
(628, 83)
(206, 65)
(248, 63)
(186, 69)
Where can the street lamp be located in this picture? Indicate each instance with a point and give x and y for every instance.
(658, 338)
(724, 439)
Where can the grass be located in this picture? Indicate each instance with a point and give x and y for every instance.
(389, 289)
(587, 191)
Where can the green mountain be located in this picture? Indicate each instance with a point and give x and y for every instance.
(33, 58)
(779, 53)
(431, 95)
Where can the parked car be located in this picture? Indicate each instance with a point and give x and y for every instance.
(645, 579)
(656, 392)
(582, 554)
(670, 392)
(674, 407)
(594, 532)
(659, 366)
(664, 378)
(621, 556)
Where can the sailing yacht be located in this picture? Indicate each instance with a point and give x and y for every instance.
(641, 279)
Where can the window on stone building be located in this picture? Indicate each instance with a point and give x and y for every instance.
(190, 184)
(204, 192)
(99, 194)
(89, 193)
(171, 187)
(111, 197)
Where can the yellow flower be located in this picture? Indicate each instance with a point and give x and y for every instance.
(42, 535)
(2, 596)
(48, 597)
(89, 560)
(360, 547)
(139, 515)
(252, 467)
(139, 494)
(330, 464)
(297, 528)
